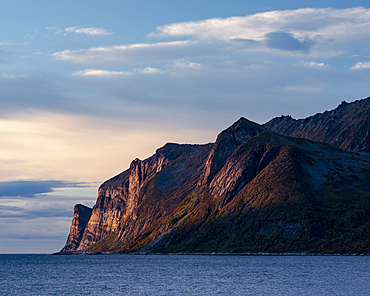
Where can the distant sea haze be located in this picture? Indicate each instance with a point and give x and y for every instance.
(184, 275)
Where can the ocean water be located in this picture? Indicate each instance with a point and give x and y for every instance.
(184, 275)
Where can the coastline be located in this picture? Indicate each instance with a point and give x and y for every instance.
(217, 254)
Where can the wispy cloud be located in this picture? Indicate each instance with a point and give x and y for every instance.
(94, 72)
(31, 188)
(150, 70)
(361, 65)
(107, 73)
(21, 212)
(7, 43)
(14, 76)
(124, 53)
(313, 64)
(186, 65)
(92, 31)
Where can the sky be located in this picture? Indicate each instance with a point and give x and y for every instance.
(88, 86)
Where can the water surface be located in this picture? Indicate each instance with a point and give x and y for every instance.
(184, 275)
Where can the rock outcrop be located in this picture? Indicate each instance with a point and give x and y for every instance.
(253, 190)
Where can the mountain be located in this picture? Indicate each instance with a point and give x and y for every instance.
(346, 127)
(253, 190)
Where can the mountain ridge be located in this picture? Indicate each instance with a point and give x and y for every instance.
(346, 126)
(253, 190)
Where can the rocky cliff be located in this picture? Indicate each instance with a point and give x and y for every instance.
(148, 190)
(81, 216)
(253, 190)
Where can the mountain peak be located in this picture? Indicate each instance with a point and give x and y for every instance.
(227, 141)
(245, 123)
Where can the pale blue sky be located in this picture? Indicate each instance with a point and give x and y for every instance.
(87, 86)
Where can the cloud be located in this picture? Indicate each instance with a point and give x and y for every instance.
(313, 64)
(150, 70)
(92, 31)
(31, 188)
(361, 65)
(23, 231)
(94, 72)
(45, 210)
(125, 53)
(107, 73)
(208, 67)
(7, 43)
(186, 65)
(320, 31)
(14, 76)
(52, 28)
(314, 32)
(300, 22)
(286, 41)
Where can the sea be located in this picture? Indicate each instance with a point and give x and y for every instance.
(183, 275)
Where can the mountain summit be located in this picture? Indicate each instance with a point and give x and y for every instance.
(285, 186)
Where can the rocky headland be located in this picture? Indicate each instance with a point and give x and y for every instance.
(288, 186)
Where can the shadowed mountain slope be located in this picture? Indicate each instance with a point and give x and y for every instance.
(346, 127)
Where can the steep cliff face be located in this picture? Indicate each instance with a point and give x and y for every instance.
(226, 142)
(253, 190)
(81, 216)
(150, 188)
(346, 127)
(244, 164)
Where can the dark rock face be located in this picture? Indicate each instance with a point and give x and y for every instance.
(346, 127)
(253, 190)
